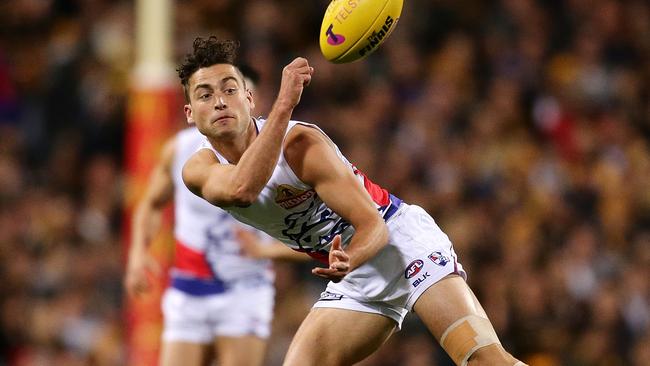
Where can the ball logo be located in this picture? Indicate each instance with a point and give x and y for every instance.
(413, 268)
(332, 38)
(377, 35)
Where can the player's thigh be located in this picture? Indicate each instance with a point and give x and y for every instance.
(330, 336)
(240, 351)
(175, 353)
(439, 312)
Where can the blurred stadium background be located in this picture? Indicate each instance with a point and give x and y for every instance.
(522, 126)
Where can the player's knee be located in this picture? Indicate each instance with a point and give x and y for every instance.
(471, 338)
(493, 355)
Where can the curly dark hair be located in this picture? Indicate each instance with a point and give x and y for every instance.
(206, 52)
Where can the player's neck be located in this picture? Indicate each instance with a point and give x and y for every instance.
(233, 149)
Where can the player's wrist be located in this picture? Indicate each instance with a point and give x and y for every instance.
(284, 105)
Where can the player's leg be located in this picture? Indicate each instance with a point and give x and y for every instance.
(186, 336)
(455, 317)
(240, 351)
(184, 353)
(330, 336)
(241, 324)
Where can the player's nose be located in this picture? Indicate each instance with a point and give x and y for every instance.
(220, 103)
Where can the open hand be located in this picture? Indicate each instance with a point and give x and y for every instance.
(339, 263)
(139, 270)
(249, 244)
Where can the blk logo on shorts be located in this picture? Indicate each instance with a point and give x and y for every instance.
(421, 279)
(439, 258)
(413, 268)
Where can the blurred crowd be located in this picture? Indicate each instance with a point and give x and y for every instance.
(522, 126)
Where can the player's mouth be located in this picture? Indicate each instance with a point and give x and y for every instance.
(222, 119)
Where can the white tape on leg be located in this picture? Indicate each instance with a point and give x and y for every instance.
(465, 336)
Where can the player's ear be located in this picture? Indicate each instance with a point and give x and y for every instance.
(249, 96)
(187, 108)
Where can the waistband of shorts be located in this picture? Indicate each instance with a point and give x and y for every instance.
(198, 287)
(395, 202)
(214, 286)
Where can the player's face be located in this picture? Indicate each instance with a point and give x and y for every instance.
(220, 106)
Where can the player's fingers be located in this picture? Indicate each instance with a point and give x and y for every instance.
(297, 65)
(328, 273)
(136, 285)
(298, 61)
(340, 266)
(245, 236)
(336, 243)
(340, 255)
(306, 80)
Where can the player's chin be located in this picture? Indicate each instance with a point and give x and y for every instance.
(221, 132)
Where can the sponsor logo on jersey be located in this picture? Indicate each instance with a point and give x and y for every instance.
(413, 268)
(439, 258)
(333, 38)
(289, 197)
(329, 296)
(421, 279)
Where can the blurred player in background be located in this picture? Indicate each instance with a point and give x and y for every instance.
(287, 178)
(208, 307)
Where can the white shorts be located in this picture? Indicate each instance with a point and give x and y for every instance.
(418, 255)
(235, 313)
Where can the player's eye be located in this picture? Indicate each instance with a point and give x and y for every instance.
(230, 91)
(205, 96)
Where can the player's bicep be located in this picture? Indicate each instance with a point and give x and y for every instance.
(341, 191)
(316, 163)
(160, 187)
(204, 176)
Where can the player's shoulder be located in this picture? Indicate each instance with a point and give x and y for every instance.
(301, 136)
(168, 150)
(190, 136)
(195, 168)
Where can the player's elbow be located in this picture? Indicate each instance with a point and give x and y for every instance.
(244, 196)
(382, 232)
(235, 196)
(379, 231)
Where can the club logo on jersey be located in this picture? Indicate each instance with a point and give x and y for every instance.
(413, 268)
(289, 197)
(329, 296)
(332, 38)
(421, 279)
(314, 227)
(439, 258)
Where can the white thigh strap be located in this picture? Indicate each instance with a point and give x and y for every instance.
(465, 336)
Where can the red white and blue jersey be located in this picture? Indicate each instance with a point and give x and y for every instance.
(291, 211)
(208, 258)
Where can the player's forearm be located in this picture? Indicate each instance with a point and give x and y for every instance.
(145, 224)
(367, 241)
(256, 165)
(280, 252)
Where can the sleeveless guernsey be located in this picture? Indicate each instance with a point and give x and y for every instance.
(291, 211)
